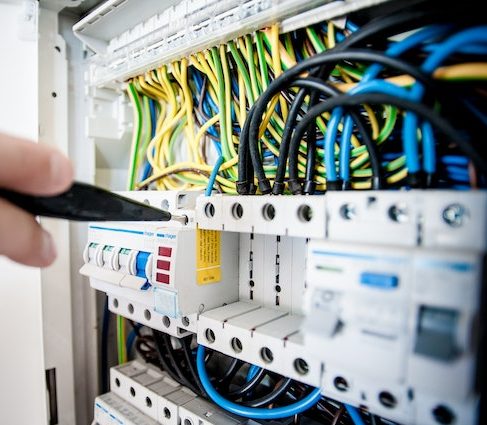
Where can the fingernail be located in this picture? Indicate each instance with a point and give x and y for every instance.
(61, 172)
(48, 249)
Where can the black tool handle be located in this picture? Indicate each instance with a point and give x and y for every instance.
(84, 202)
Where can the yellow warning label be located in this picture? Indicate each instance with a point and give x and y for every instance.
(208, 256)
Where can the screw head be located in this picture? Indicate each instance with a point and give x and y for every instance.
(455, 215)
(348, 212)
(398, 213)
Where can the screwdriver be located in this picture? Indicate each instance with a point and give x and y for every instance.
(86, 202)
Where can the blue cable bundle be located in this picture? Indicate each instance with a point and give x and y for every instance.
(380, 86)
(251, 412)
(476, 41)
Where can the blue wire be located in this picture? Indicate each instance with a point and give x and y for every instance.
(454, 159)
(345, 146)
(372, 71)
(153, 116)
(457, 170)
(253, 369)
(472, 36)
(467, 50)
(198, 80)
(354, 415)
(403, 46)
(131, 337)
(214, 172)
(207, 109)
(390, 156)
(252, 412)
(351, 26)
(459, 177)
(330, 136)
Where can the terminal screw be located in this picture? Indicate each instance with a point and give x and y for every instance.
(455, 215)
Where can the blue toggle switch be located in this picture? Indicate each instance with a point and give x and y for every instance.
(140, 263)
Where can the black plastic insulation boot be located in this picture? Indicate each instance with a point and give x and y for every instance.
(430, 180)
(334, 185)
(265, 186)
(278, 188)
(252, 189)
(309, 187)
(416, 180)
(242, 187)
(295, 187)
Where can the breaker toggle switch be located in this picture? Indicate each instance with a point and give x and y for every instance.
(437, 328)
(123, 267)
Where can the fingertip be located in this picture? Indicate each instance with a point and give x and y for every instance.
(44, 257)
(48, 252)
(25, 242)
(60, 171)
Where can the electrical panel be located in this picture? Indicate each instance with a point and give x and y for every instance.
(327, 158)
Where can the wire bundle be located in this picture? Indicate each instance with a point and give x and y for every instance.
(180, 108)
(403, 86)
(282, 113)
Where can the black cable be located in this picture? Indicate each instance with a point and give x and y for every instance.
(190, 361)
(383, 27)
(318, 85)
(174, 364)
(161, 350)
(309, 183)
(104, 347)
(244, 166)
(426, 113)
(286, 79)
(278, 187)
(145, 347)
(135, 327)
(230, 373)
(249, 385)
(281, 387)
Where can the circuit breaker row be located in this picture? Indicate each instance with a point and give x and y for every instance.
(386, 323)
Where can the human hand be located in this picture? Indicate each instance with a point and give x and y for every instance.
(37, 170)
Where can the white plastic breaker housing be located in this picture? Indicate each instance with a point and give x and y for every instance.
(394, 327)
(155, 263)
(389, 288)
(161, 399)
(110, 409)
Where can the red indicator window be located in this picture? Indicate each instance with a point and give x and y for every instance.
(162, 278)
(163, 265)
(165, 251)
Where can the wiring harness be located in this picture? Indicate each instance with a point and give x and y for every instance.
(322, 108)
